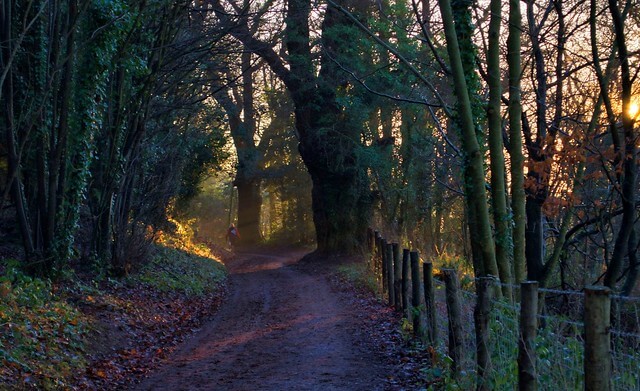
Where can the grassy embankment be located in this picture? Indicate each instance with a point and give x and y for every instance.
(50, 332)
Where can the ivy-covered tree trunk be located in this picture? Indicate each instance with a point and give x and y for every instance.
(329, 144)
(37, 134)
(14, 182)
(54, 234)
(340, 210)
(461, 13)
(105, 170)
(475, 188)
(514, 61)
(328, 147)
(494, 120)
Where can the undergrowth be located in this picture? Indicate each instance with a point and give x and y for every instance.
(43, 333)
(177, 270)
(559, 349)
(359, 275)
(181, 264)
(41, 339)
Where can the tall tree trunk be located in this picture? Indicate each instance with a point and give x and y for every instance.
(515, 140)
(634, 265)
(242, 124)
(341, 195)
(534, 248)
(476, 192)
(14, 183)
(106, 170)
(341, 198)
(629, 151)
(625, 165)
(249, 206)
(248, 174)
(248, 177)
(461, 14)
(538, 188)
(57, 154)
(498, 186)
(340, 215)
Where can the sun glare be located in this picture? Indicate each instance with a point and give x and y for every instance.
(633, 110)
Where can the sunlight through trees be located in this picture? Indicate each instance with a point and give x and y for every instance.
(509, 141)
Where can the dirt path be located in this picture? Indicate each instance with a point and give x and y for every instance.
(282, 328)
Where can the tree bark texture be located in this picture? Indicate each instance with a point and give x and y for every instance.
(497, 161)
(597, 343)
(341, 199)
(416, 296)
(454, 312)
(475, 191)
(629, 153)
(481, 317)
(527, 375)
(534, 248)
(430, 303)
(397, 277)
(249, 205)
(514, 61)
(248, 175)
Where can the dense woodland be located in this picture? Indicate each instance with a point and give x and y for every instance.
(501, 133)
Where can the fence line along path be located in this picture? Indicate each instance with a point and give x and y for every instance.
(492, 344)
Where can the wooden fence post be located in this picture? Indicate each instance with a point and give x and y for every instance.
(376, 252)
(378, 259)
(405, 284)
(418, 327)
(371, 246)
(454, 312)
(390, 277)
(527, 375)
(397, 277)
(383, 259)
(430, 303)
(597, 341)
(481, 315)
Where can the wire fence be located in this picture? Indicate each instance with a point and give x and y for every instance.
(559, 346)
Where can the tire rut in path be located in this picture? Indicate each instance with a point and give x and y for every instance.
(282, 328)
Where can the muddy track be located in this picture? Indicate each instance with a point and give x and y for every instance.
(282, 328)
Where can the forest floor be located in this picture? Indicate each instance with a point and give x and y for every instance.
(289, 325)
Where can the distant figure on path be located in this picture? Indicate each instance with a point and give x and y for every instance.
(232, 236)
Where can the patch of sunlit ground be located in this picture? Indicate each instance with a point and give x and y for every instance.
(183, 239)
(181, 264)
